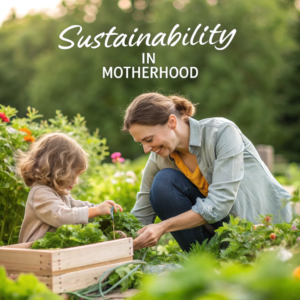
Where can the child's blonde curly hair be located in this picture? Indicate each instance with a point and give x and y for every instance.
(54, 160)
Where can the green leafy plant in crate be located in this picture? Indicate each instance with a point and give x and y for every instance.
(71, 236)
(99, 230)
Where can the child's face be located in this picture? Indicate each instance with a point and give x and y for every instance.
(69, 188)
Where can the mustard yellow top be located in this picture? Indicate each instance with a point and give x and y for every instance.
(196, 178)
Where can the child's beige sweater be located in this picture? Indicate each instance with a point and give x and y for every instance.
(46, 210)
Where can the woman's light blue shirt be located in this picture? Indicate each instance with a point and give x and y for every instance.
(239, 182)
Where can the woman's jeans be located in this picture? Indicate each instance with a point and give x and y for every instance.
(173, 194)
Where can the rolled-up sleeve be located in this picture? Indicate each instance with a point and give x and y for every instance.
(142, 209)
(50, 209)
(227, 174)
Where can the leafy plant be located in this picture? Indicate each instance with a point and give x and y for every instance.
(71, 236)
(124, 221)
(26, 287)
(247, 241)
(132, 281)
(242, 241)
(203, 278)
(98, 231)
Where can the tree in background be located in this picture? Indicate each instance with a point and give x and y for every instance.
(238, 83)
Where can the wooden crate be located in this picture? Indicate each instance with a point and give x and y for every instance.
(66, 269)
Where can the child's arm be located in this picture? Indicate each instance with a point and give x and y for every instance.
(50, 209)
(95, 210)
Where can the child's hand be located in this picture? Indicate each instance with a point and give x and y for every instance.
(104, 208)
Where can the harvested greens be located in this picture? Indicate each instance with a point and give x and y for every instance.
(99, 231)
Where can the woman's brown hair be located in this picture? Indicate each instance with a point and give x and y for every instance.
(55, 160)
(154, 109)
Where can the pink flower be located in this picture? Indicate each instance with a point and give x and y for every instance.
(115, 155)
(4, 117)
(118, 159)
(121, 159)
(294, 227)
(298, 239)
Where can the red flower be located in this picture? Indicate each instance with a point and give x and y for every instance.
(273, 236)
(4, 117)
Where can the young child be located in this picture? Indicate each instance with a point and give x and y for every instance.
(51, 167)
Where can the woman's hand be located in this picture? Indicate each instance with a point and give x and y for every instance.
(104, 208)
(149, 236)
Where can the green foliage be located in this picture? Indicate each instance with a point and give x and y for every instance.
(116, 182)
(99, 231)
(34, 71)
(210, 248)
(13, 192)
(241, 241)
(201, 278)
(71, 236)
(124, 221)
(132, 281)
(167, 251)
(247, 241)
(291, 176)
(26, 287)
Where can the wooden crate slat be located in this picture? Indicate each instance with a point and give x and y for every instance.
(19, 260)
(80, 279)
(124, 259)
(88, 255)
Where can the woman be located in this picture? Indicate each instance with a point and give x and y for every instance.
(197, 174)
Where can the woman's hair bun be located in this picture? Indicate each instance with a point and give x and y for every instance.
(183, 106)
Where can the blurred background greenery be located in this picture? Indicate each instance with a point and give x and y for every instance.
(254, 82)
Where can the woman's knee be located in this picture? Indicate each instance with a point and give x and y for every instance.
(163, 185)
(164, 179)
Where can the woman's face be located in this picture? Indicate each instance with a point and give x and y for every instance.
(160, 139)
